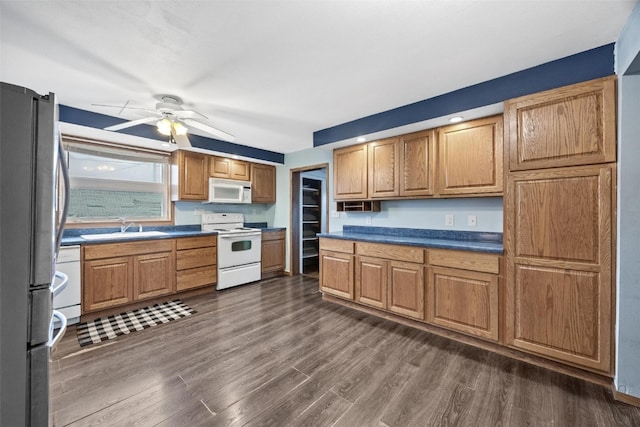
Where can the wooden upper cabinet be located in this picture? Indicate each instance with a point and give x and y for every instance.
(384, 168)
(350, 172)
(417, 163)
(263, 183)
(190, 170)
(223, 167)
(470, 159)
(558, 243)
(573, 125)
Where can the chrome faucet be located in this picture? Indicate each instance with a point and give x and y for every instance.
(124, 227)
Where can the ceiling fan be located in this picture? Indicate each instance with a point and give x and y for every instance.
(171, 120)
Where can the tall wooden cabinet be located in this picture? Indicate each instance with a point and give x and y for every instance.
(559, 223)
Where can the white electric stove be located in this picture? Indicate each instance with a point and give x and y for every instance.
(239, 249)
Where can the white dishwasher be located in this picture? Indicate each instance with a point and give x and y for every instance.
(68, 301)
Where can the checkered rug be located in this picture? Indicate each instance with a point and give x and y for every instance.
(103, 329)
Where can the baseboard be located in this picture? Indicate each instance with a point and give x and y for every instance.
(626, 398)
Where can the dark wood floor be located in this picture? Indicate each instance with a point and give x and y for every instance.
(274, 353)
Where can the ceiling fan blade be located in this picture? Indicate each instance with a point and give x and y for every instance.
(181, 140)
(189, 114)
(213, 131)
(125, 107)
(132, 123)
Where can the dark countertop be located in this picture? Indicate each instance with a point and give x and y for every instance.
(442, 239)
(72, 236)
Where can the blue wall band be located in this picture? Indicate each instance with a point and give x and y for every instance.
(587, 65)
(101, 121)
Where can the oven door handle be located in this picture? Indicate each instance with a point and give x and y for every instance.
(230, 236)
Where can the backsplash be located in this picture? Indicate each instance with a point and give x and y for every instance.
(429, 214)
(184, 213)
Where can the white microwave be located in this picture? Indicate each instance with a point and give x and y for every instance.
(229, 191)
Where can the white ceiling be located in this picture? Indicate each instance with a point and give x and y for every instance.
(273, 72)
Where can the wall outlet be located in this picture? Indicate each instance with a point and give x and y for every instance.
(367, 220)
(449, 220)
(472, 221)
(198, 212)
(335, 214)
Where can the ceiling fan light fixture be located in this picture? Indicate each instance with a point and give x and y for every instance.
(179, 128)
(164, 126)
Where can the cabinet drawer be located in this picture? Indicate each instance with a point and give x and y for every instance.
(474, 261)
(110, 250)
(196, 242)
(273, 235)
(337, 245)
(196, 277)
(391, 252)
(192, 258)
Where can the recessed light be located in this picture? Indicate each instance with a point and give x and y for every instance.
(456, 119)
(361, 139)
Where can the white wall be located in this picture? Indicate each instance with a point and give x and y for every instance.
(627, 378)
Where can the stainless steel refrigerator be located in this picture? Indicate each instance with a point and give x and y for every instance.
(30, 234)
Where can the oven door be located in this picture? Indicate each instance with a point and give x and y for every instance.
(236, 249)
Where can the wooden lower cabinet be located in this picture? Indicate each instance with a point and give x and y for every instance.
(336, 273)
(406, 289)
(107, 283)
(196, 262)
(153, 275)
(273, 253)
(466, 301)
(372, 277)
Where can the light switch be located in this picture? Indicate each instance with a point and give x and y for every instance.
(448, 220)
(472, 221)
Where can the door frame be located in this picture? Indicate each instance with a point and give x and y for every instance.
(294, 220)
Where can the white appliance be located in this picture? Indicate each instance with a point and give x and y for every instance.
(229, 191)
(68, 302)
(239, 249)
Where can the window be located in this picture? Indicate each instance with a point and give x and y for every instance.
(108, 182)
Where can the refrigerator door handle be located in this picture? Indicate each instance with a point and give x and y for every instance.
(64, 170)
(64, 279)
(53, 340)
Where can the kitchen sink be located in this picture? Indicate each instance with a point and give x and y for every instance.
(119, 235)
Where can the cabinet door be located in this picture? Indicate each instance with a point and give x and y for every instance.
(572, 125)
(263, 183)
(471, 157)
(336, 274)
(558, 243)
(466, 301)
(371, 281)
(223, 167)
(417, 170)
(193, 179)
(106, 283)
(384, 168)
(350, 172)
(153, 275)
(406, 289)
(273, 255)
